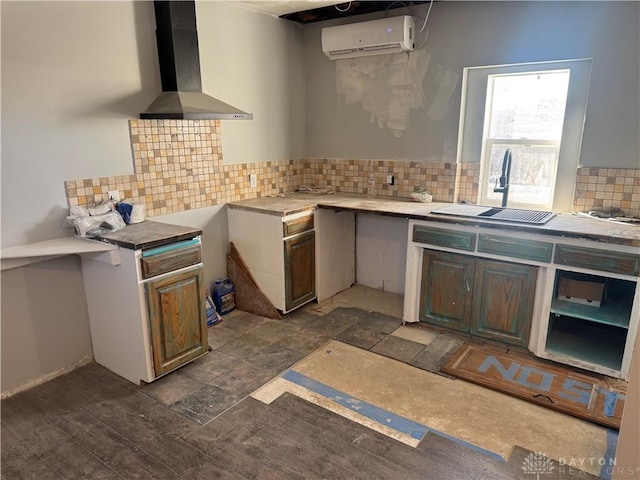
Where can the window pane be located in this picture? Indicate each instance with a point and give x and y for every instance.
(532, 178)
(528, 105)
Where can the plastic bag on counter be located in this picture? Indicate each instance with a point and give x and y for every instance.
(89, 222)
(77, 212)
(95, 225)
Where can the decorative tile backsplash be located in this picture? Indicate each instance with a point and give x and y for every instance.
(467, 182)
(607, 189)
(178, 166)
(351, 176)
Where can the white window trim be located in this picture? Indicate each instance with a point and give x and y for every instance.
(472, 117)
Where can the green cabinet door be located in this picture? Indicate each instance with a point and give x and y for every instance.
(503, 301)
(446, 289)
(177, 319)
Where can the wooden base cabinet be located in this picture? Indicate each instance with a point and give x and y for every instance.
(295, 258)
(147, 313)
(571, 300)
(280, 253)
(486, 298)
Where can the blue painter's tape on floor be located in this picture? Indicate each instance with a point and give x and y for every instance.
(610, 455)
(471, 446)
(377, 414)
(383, 417)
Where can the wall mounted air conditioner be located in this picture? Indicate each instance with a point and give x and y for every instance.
(387, 35)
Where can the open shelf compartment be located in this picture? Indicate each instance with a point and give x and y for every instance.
(590, 342)
(614, 310)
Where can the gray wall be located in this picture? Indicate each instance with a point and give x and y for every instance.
(256, 63)
(45, 326)
(464, 34)
(73, 74)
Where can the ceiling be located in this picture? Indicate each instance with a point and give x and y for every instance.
(307, 11)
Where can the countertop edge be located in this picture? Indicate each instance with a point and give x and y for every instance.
(152, 243)
(333, 202)
(149, 234)
(274, 212)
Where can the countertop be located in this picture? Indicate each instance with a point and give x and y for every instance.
(563, 224)
(149, 234)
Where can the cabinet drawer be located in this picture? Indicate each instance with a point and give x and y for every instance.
(444, 238)
(615, 262)
(299, 225)
(515, 247)
(172, 260)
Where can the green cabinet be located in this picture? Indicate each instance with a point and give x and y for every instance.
(177, 319)
(503, 301)
(486, 298)
(446, 293)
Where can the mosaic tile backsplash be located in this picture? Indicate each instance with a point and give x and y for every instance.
(178, 166)
(608, 188)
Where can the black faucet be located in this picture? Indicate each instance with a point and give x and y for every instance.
(504, 178)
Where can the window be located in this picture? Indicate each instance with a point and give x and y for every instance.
(536, 111)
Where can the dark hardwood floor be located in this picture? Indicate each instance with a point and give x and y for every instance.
(199, 423)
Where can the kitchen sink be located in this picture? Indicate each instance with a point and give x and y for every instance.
(516, 215)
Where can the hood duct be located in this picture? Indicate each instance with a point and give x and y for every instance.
(182, 96)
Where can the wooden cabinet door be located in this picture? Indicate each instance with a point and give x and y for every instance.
(300, 269)
(503, 301)
(446, 289)
(177, 319)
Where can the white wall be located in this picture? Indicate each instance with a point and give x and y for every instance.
(463, 34)
(381, 252)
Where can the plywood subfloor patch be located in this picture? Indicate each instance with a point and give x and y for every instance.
(369, 299)
(416, 333)
(473, 414)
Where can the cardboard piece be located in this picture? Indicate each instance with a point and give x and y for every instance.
(583, 292)
(249, 297)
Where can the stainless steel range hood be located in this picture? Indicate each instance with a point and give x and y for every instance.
(182, 96)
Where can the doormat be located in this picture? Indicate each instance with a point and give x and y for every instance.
(539, 382)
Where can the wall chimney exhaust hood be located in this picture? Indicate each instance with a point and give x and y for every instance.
(182, 96)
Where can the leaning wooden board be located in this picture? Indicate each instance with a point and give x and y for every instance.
(591, 398)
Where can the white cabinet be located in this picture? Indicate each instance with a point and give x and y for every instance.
(298, 257)
(147, 314)
(598, 337)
